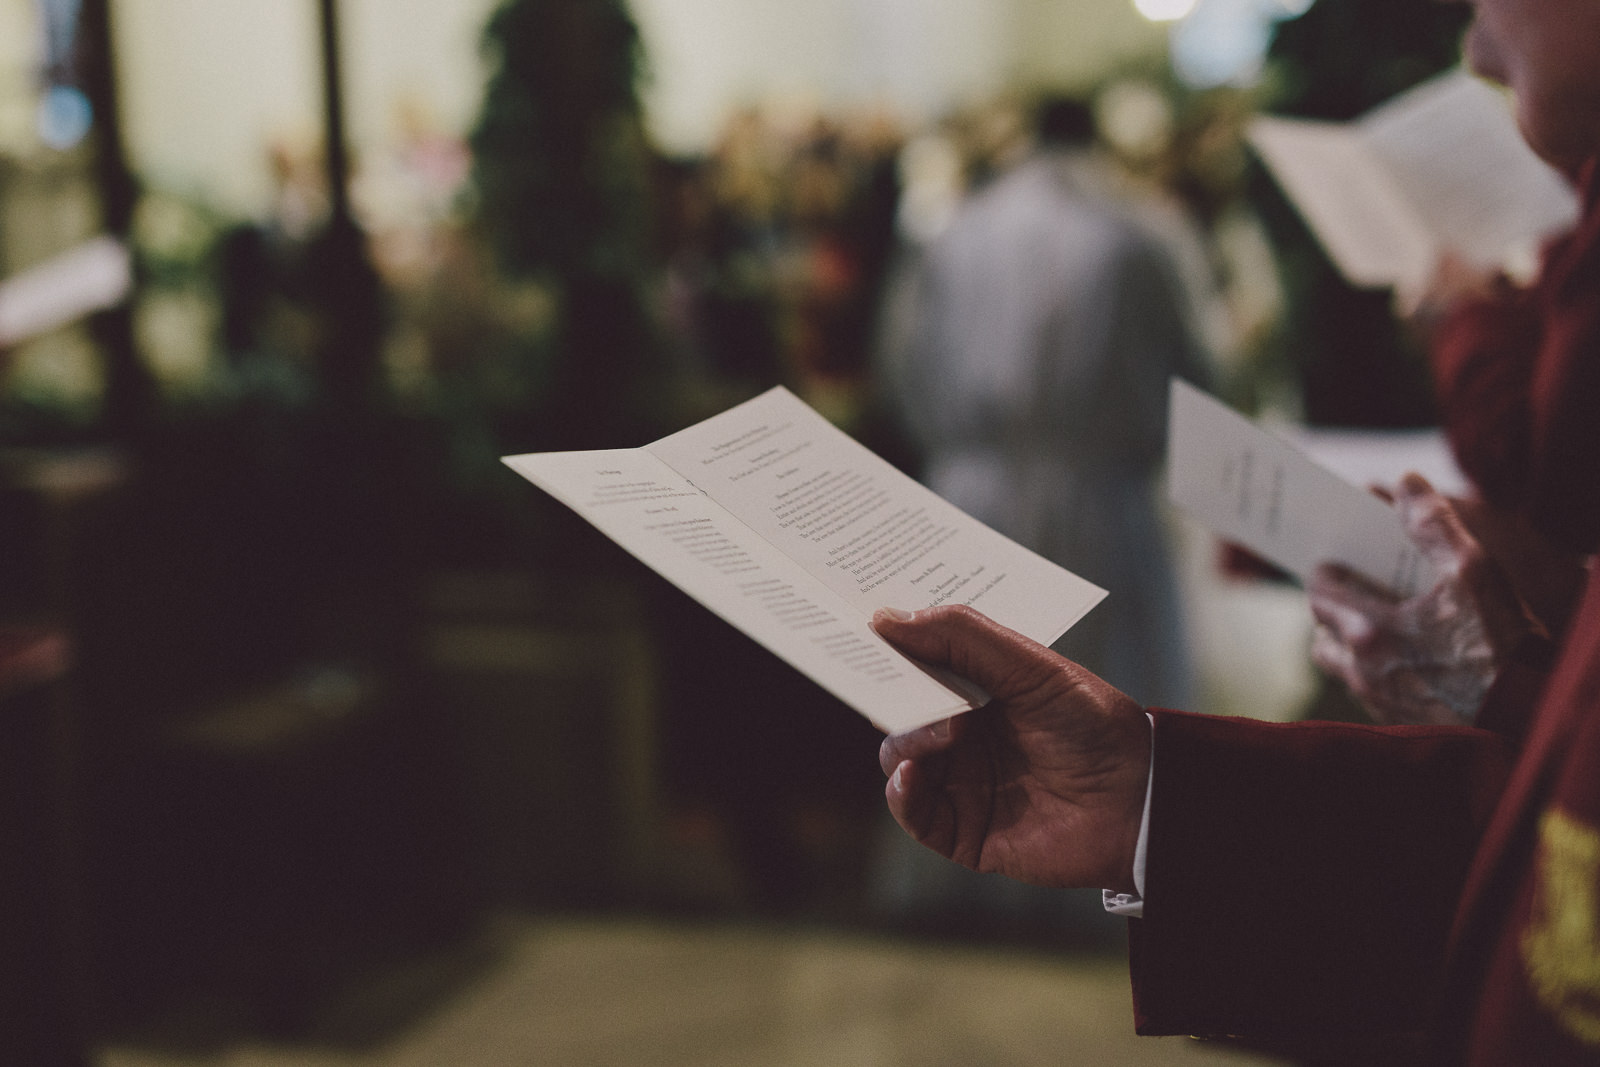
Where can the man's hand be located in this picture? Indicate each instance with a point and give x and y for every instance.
(1454, 282)
(1430, 658)
(1044, 784)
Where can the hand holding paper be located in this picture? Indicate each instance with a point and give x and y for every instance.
(1413, 614)
(1047, 786)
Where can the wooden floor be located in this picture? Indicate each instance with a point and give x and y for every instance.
(645, 993)
(731, 992)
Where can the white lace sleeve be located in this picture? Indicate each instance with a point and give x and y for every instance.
(1132, 904)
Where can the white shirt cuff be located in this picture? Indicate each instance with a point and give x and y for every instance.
(1132, 904)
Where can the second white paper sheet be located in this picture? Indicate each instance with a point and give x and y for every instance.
(1440, 167)
(1254, 488)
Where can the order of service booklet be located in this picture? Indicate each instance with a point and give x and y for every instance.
(795, 533)
(1257, 489)
(1438, 168)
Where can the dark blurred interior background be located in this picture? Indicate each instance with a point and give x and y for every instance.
(305, 700)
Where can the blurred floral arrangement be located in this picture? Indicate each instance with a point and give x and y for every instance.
(561, 197)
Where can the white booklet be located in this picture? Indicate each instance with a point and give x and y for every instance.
(795, 533)
(1257, 489)
(1441, 167)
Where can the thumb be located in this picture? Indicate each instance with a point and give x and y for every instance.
(1432, 523)
(967, 643)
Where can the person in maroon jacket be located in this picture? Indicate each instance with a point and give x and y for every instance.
(1423, 892)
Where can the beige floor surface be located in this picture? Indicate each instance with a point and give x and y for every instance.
(580, 993)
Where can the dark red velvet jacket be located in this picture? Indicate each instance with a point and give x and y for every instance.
(1353, 894)
(1518, 381)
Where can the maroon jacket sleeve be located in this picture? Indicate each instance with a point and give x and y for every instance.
(1302, 877)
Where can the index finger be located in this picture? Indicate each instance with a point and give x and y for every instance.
(1432, 522)
(916, 744)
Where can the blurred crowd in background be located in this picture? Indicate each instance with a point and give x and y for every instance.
(768, 256)
(340, 682)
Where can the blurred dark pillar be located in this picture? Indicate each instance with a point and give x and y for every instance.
(358, 578)
(130, 388)
(43, 988)
(349, 292)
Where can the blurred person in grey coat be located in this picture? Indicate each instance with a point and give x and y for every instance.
(1028, 357)
(1026, 353)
